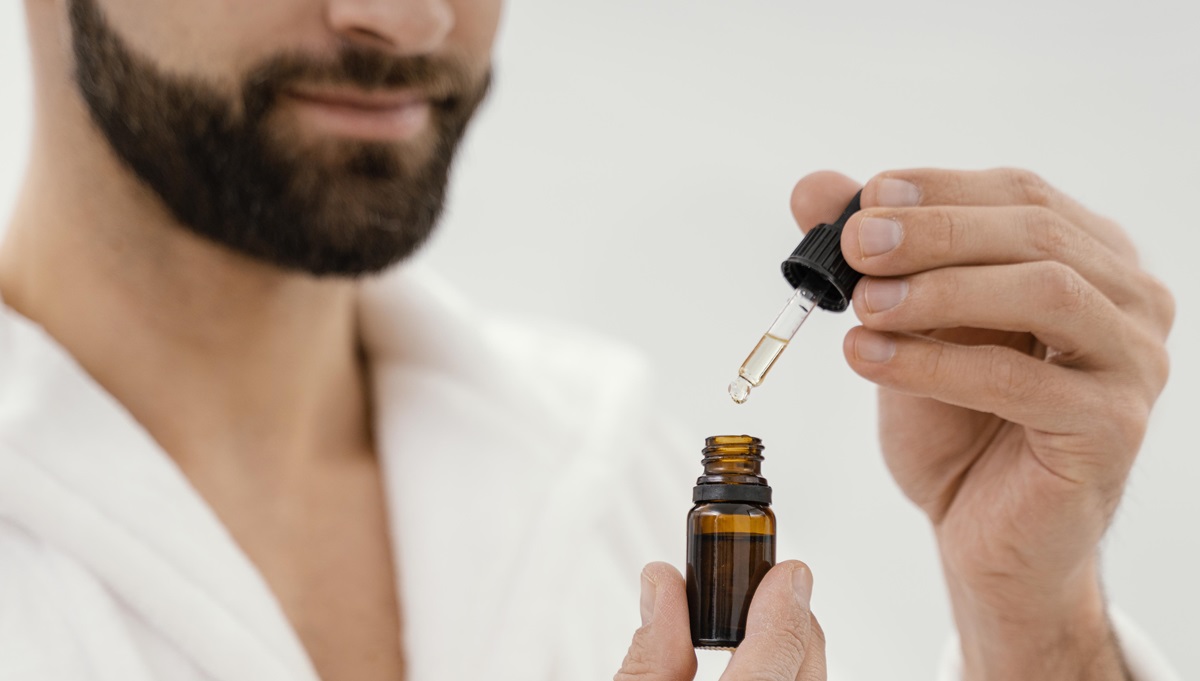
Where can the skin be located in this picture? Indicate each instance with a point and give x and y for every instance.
(1019, 348)
(266, 410)
(1016, 373)
(783, 640)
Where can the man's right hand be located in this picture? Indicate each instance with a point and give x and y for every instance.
(783, 640)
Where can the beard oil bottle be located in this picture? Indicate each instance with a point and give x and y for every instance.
(731, 540)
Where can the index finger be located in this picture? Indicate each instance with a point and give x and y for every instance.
(994, 187)
(783, 641)
(662, 648)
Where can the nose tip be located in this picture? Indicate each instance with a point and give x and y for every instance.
(398, 26)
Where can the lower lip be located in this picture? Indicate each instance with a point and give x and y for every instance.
(393, 123)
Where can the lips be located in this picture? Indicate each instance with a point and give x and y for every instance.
(385, 115)
(355, 98)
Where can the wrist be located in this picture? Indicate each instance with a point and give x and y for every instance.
(1060, 630)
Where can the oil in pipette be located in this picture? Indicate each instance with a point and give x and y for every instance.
(756, 366)
(771, 345)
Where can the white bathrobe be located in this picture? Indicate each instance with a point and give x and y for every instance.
(527, 477)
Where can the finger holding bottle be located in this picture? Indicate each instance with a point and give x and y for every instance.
(783, 640)
(662, 647)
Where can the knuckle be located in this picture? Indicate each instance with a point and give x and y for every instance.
(1062, 289)
(1050, 236)
(1127, 417)
(1029, 187)
(1162, 302)
(1149, 296)
(786, 658)
(1007, 377)
(642, 673)
(1160, 369)
(637, 666)
(1149, 359)
(1112, 419)
(957, 187)
(945, 233)
(935, 365)
(790, 643)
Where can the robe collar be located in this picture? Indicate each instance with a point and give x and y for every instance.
(460, 447)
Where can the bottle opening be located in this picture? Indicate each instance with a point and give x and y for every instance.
(733, 445)
(732, 460)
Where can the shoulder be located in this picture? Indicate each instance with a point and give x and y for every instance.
(414, 323)
(614, 434)
(572, 368)
(583, 405)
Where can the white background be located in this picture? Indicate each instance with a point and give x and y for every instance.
(631, 175)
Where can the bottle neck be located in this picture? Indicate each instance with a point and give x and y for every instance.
(732, 460)
(732, 471)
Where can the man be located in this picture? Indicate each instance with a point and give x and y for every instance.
(224, 456)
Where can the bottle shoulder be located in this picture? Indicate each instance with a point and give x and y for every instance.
(726, 517)
(734, 508)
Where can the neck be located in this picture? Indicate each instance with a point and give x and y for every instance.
(219, 357)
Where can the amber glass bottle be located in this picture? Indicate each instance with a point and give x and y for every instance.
(731, 540)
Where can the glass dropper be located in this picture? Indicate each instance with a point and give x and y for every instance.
(772, 343)
(820, 277)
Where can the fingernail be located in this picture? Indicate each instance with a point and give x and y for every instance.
(870, 346)
(884, 294)
(894, 192)
(877, 236)
(648, 592)
(802, 585)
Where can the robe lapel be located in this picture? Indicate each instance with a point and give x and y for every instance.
(78, 472)
(467, 476)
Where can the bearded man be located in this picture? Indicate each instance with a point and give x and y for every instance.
(239, 441)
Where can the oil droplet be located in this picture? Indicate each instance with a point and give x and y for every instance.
(739, 389)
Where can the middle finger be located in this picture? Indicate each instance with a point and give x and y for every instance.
(1049, 300)
(889, 242)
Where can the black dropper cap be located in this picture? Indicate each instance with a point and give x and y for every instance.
(817, 264)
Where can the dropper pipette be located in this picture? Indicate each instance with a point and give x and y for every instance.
(821, 278)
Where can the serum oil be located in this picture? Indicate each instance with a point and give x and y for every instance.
(731, 540)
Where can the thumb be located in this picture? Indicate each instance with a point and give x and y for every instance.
(662, 647)
(783, 640)
(821, 197)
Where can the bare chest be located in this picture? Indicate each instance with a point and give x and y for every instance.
(325, 552)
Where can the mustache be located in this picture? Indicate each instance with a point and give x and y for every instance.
(446, 81)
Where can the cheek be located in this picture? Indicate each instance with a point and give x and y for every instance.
(475, 27)
(217, 40)
(175, 36)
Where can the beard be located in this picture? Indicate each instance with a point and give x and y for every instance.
(225, 168)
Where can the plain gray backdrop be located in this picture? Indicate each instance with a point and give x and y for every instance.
(631, 175)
